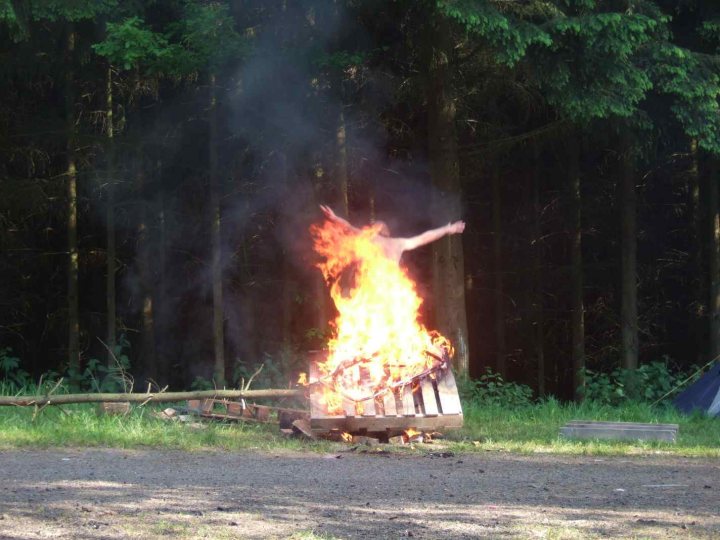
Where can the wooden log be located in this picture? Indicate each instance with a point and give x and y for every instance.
(64, 399)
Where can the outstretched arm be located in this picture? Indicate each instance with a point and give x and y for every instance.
(433, 234)
(332, 216)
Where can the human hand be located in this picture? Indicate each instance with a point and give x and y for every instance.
(329, 214)
(456, 228)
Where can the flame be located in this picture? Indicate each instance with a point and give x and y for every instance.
(377, 341)
(346, 437)
(302, 379)
(410, 433)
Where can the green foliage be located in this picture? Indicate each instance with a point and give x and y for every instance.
(131, 44)
(589, 70)
(646, 384)
(208, 37)
(508, 35)
(276, 371)
(98, 376)
(492, 390)
(71, 10)
(710, 32)
(693, 80)
(14, 377)
(340, 60)
(201, 383)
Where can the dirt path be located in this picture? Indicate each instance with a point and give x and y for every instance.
(154, 494)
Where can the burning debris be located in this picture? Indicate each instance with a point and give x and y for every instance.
(383, 369)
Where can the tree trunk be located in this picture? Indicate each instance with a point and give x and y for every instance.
(498, 292)
(537, 255)
(144, 261)
(111, 255)
(217, 285)
(697, 210)
(161, 354)
(289, 286)
(322, 312)
(71, 174)
(577, 307)
(448, 263)
(341, 173)
(628, 209)
(713, 250)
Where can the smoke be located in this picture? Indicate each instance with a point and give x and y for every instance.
(278, 115)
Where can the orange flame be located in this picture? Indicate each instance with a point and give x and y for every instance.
(410, 433)
(377, 340)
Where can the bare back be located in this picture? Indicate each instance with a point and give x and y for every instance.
(392, 247)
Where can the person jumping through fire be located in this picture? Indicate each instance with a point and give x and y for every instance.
(394, 247)
(377, 340)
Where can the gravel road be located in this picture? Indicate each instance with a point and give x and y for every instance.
(110, 493)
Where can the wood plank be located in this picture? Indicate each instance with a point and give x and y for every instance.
(644, 434)
(408, 401)
(621, 424)
(389, 403)
(448, 392)
(349, 407)
(317, 408)
(382, 423)
(368, 407)
(428, 396)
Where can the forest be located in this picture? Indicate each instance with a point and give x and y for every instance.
(161, 162)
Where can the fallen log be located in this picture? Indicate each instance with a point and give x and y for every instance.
(64, 399)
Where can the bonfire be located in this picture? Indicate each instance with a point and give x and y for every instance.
(377, 341)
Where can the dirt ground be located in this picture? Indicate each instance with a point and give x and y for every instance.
(89, 494)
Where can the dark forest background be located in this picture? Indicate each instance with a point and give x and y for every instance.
(161, 162)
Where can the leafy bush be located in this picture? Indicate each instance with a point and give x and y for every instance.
(13, 376)
(275, 371)
(492, 389)
(96, 376)
(201, 383)
(100, 376)
(648, 383)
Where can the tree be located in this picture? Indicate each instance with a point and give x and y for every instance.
(448, 262)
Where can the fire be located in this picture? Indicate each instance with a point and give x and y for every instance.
(410, 433)
(377, 340)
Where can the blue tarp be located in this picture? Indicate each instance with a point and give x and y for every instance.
(703, 394)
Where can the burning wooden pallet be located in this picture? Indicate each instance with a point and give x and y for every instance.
(426, 404)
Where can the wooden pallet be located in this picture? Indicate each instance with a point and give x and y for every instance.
(223, 409)
(433, 405)
(579, 429)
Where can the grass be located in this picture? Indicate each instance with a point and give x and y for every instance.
(535, 429)
(529, 429)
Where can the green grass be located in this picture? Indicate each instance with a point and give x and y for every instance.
(530, 429)
(79, 425)
(535, 429)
